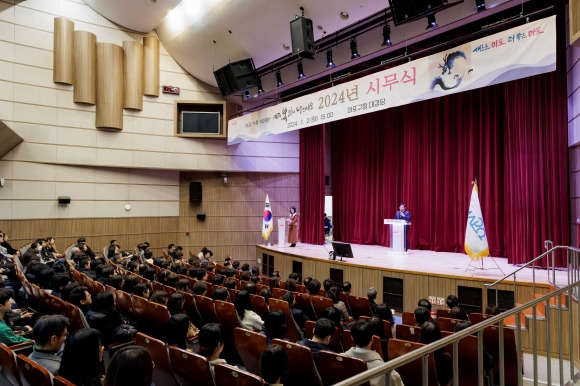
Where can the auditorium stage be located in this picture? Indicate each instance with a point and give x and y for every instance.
(419, 262)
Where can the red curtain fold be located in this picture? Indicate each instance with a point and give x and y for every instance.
(512, 137)
(311, 228)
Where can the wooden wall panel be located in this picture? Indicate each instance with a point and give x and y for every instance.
(63, 51)
(133, 75)
(109, 86)
(85, 67)
(151, 66)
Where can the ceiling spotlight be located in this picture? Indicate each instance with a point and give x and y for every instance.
(329, 61)
(387, 36)
(279, 82)
(431, 23)
(301, 71)
(480, 5)
(260, 88)
(353, 50)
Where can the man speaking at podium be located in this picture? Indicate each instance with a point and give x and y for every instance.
(404, 214)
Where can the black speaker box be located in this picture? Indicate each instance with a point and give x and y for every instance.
(236, 76)
(194, 191)
(201, 216)
(408, 10)
(302, 35)
(63, 200)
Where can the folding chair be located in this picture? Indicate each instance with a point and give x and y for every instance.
(335, 368)
(190, 369)
(162, 372)
(250, 346)
(301, 370)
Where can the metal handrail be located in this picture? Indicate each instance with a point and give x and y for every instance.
(475, 329)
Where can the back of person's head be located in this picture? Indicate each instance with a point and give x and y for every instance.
(275, 324)
(458, 313)
(67, 290)
(378, 326)
(324, 328)
(111, 251)
(199, 288)
(220, 293)
(243, 302)
(45, 277)
(236, 265)
(230, 284)
(273, 362)
(266, 293)
(131, 365)
(159, 297)
(251, 288)
(82, 355)
(130, 282)
(172, 279)
(462, 325)
(372, 293)
(175, 303)
(83, 262)
(452, 301)
(422, 315)
(290, 285)
(255, 270)
(176, 331)
(104, 303)
(149, 273)
(245, 275)
(430, 333)
(294, 276)
(106, 272)
(48, 326)
(141, 289)
(362, 333)
(288, 297)
(217, 280)
(210, 336)
(201, 272)
(77, 295)
(327, 283)
(346, 286)
(183, 285)
(424, 303)
(255, 279)
(385, 313)
(313, 287)
(334, 294)
(5, 295)
(333, 314)
(115, 281)
(492, 310)
(59, 281)
(230, 272)
(274, 282)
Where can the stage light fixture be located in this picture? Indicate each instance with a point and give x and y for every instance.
(260, 88)
(279, 82)
(431, 23)
(329, 61)
(247, 94)
(301, 71)
(353, 49)
(387, 36)
(480, 4)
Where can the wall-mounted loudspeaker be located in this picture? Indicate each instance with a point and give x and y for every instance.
(201, 216)
(302, 35)
(194, 191)
(236, 76)
(63, 200)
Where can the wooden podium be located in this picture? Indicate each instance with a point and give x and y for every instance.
(398, 240)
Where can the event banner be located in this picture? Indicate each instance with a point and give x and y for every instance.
(517, 53)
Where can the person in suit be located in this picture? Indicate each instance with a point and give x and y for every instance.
(293, 227)
(404, 214)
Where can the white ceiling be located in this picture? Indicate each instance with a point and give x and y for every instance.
(188, 28)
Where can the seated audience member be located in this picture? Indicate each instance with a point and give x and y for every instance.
(200, 288)
(294, 276)
(313, 287)
(255, 279)
(176, 331)
(45, 278)
(6, 245)
(335, 316)
(250, 320)
(175, 303)
(255, 270)
(221, 294)
(159, 297)
(218, 280)
(274, 283)
(104, 317)
(424, 303)
(211, 344)
(129, 284)
(82, 244)
(290, 285)
(30, 254)
(230, 284)
(149, 273)
(299, 316)
(458, 313)
(7, 335)
(327, 284)
(372, 295)
(452, 301)
(379, 330)
(422, 315)
(385, 313)
(184, 286)
(334, 295)
(105, 274)
(81, 298)
(245, 276)
(116, 281)
(141, 289)
(322, 335)
(201, 274)
(266, 293)
(67, 289)
(131, 365)
(172, 280)
(82, 358)
(492, 310)
(85, 267)
(230, 273)
(346, 288)
(273, 362)
(49, 334)
(362, 335)
(57, 283)
(443, 362)
(275, 326)
(252, 288)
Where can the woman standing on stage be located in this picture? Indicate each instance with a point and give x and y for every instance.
(293, 227)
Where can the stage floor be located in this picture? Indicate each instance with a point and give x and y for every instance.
(446, 264)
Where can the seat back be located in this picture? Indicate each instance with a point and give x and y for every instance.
(250, 346)
(302, 301)
(8, 366)
(151, 317)
(467, 355)
(206, 308)
(348, 342)
(125, 304)
(408, 333)
(411, 373)
(31, 373)
(277, 293)
(301, 369)
(476, 317)
(408, 318)
(231, 375)
(335, 341)
(259, 306)
(228, 318)
(359, 306)
(75, 317)
(491, 344)
(191, 309)
(57, 305)
(447, 324)
(190, 369)
(60, 381)
(334, 367)
(293, 333)
(319, 304)
(162, 372)
(233, 293)
(442, 312)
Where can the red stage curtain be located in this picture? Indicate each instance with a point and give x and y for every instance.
(311, 228)
(512, 137)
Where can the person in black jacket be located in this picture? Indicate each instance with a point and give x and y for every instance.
(109, 321)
